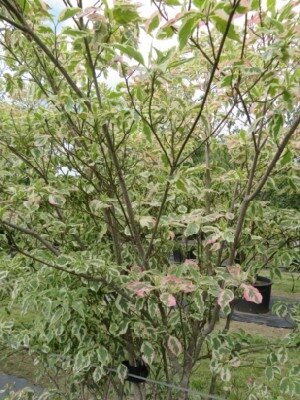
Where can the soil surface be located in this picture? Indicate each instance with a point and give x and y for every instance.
(14, 383)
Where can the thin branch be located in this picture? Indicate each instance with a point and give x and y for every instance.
(276, 157)
(34, 234)
(212, 74)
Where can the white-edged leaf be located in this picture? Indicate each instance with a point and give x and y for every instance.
(225, 297)
(97, 205)
(221, 26)
(103, 355)
(187, 29)
(68, 13)
(168, 299)
(98, 373)
(123, 326)
(153, 22)
(147, 221)
(251, 294)
(148, 352)
(122, 372)
(174, 345)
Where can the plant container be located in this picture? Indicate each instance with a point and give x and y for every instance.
(263, 285)
(191, 254)
(139, 369)
(178, 256)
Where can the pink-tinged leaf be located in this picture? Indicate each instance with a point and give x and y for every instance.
(187, 287)
(245, 3)
(191, 263)
(171, 301)
(225, 297)
(92, 13)
(201, 24)
(176, 283)
(141, 292)
(251, 294)
(234, 270)
(212, 240)
(216, 246)
(170, 279)
(52, 200)
(168, 299)
(174, 345)
(56, 200)
(255, 19)
(172, 21)
(140, 289)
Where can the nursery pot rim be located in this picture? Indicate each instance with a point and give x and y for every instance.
(262, 281)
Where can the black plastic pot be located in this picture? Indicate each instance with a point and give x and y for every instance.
(178, 256)
(191, 254)
(263, 285)
(140, 369)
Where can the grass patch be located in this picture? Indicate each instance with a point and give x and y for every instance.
(287, 286)
(252, 368)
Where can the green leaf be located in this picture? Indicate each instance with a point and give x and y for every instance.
(130, 52)
(147, 221)
(123, 326)
(199, 302)
(227, 81)
(165, 33)
(187, 28)
(148, 352)
(103, 355)
(199, 3)
(225, 374)
(172, 2)
(225, 297)
(68, 13)
(62, 260)
(287, 386)
(280, 309)
(125, 14)
(271, 5)
(122, 372)
(122, 304)
(98, 373)
(153, 22)
(181, 185)
(255, 4)
(286, 158)
(228, 236)
(192, 229)
(147, 132)
(78, 306)
(81, 362)
(74, 32)
(221, 25)
(276, 126)
(41, 140)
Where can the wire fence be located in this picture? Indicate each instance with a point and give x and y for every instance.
(192, 392)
